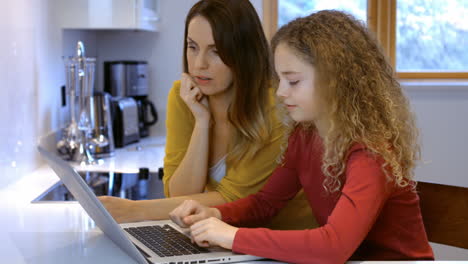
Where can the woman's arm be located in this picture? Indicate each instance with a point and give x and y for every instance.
(191, 175)
(127, 211)
(187, 147)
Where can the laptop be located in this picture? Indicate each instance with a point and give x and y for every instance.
(145, 242)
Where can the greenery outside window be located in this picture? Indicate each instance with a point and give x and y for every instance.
(422, 38)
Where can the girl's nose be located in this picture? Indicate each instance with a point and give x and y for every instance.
(282, 91)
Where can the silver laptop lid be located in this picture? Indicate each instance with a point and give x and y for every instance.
(83, 194)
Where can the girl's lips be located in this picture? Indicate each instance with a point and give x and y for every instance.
(290, 107)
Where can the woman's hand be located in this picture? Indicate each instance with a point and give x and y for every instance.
(122, 210)
(190, 212)
(213, 232)
(196, 101)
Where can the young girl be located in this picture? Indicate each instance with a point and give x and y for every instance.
(223, 136)
(352, 147)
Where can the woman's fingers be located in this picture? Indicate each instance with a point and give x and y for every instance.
(193, 97)
(187, 83)
(199, 96)
(196, 94)
(188, 87)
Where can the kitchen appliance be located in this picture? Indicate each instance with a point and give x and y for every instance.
(76, 137)
(102, 136)
(124, 121)
(130, 79)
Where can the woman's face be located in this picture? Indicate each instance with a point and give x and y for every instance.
(297, 86)
(204, 64)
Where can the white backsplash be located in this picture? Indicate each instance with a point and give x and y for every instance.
(17, 82)
(31, 73)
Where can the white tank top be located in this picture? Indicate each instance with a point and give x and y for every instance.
(218, 171)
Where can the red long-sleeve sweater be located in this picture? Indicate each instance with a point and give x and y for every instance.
(369, 219)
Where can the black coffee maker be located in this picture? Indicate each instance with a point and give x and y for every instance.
(130, 79)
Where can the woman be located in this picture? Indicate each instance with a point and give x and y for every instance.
(223, 136)
(352, 147)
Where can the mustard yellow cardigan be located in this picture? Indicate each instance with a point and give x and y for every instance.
(246, 178)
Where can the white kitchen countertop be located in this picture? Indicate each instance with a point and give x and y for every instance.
(148, 152)
(62, 232)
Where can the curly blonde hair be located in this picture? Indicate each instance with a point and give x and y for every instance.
(366, 104)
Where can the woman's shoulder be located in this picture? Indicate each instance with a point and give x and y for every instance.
(174, 95)
(176, 106)
(175, 90)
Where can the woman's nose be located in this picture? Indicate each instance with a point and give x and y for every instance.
(201, 61)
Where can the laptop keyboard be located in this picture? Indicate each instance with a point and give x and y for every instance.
(165, 240)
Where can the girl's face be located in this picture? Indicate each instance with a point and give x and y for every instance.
(297, 87)
(204, 64)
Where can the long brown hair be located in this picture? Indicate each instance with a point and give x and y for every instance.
(242, 46)
(366, 104)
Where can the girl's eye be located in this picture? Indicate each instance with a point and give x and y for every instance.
(191, 47)
(215, 52)
(293, 83)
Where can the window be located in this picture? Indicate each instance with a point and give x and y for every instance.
(290, 9)
(422, 38)
(432, 36)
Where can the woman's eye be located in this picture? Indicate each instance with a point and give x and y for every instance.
(292, 83)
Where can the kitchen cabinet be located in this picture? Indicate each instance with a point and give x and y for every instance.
(108, 14)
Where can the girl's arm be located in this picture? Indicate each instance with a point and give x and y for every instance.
(363, 196)
(257, 209)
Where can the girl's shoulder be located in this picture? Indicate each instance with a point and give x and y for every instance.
(305, 141)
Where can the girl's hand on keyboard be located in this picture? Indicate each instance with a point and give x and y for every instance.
(213, 232)
(190, 212)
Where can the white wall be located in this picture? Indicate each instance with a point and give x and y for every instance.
(17, 78)
(442, 111)
(31, 73)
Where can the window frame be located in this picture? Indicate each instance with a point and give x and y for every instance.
(381, 19)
